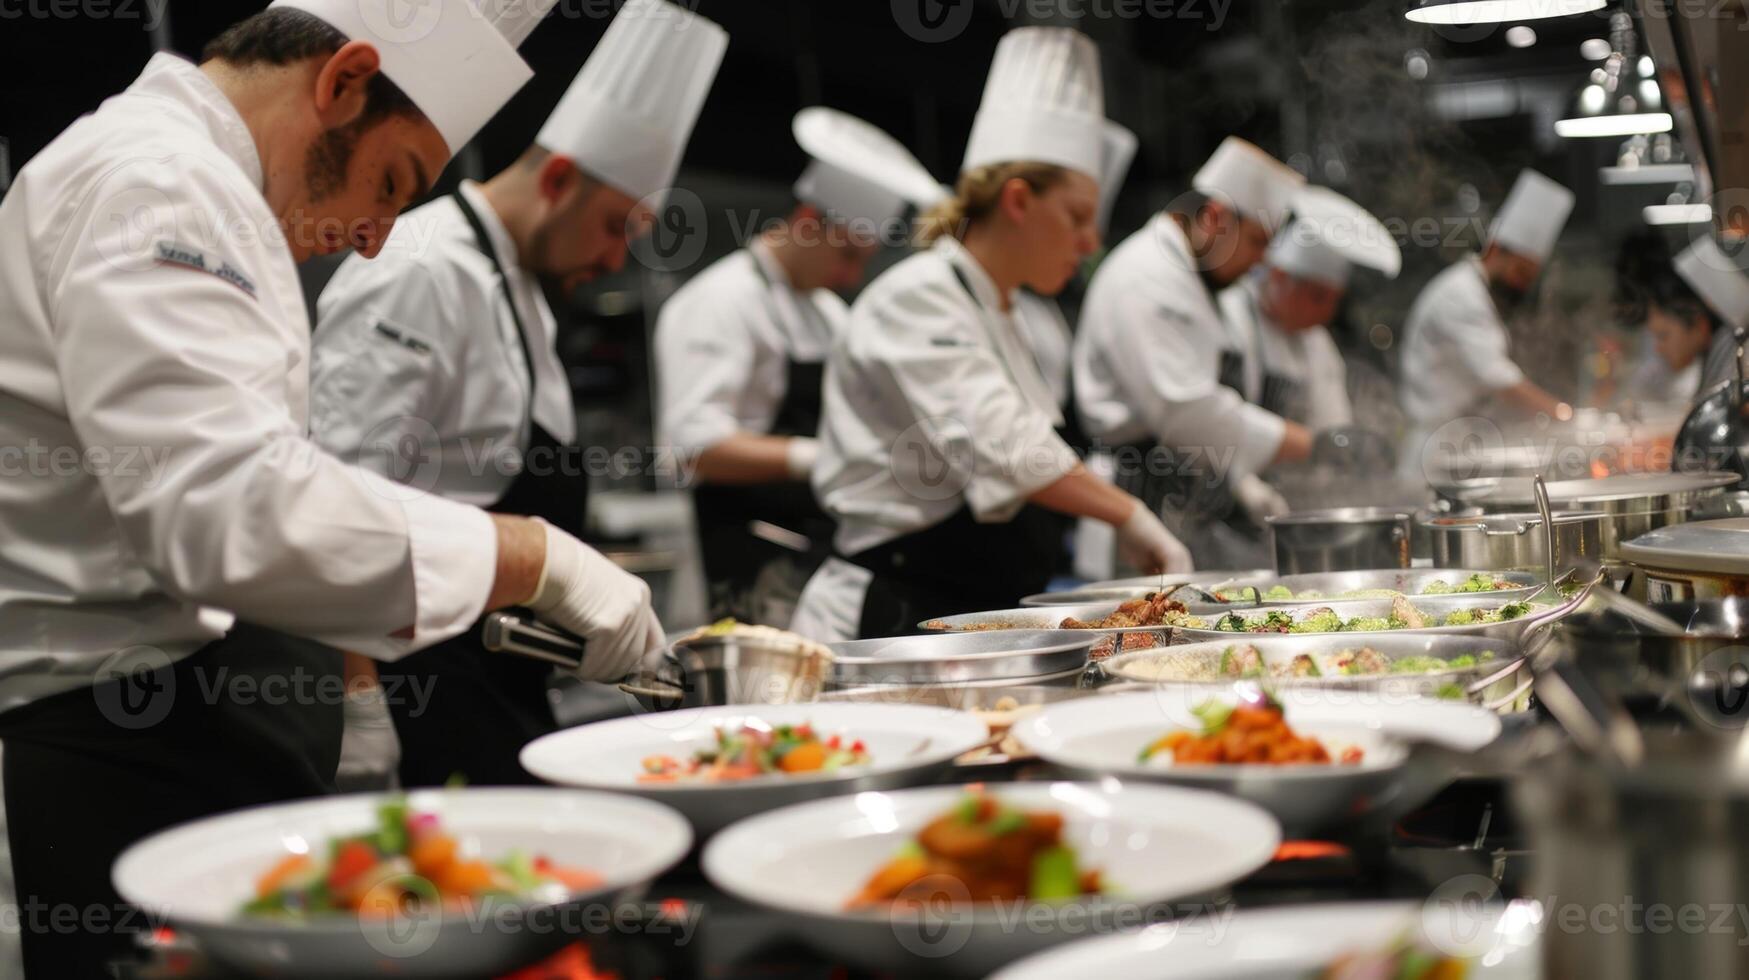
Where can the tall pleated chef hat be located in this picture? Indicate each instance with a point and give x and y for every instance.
(1119, 147)
(456, 59)
(1257, 184)
(1043, 103)
(1530, 221)
(858, 172)
(628, 115)
(1717, 280)
(1329, 235)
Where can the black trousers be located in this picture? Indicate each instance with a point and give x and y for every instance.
(255, 718)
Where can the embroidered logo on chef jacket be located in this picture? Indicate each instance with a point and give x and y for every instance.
(189, 257)
(406, 340)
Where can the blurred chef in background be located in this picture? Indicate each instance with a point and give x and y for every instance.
(1697, 317)
(149, 614)
(1156, 376)
(437, 365)
(939, 455)
(1456, 360)
(1040, 318)
(1278, 314)
(740, 357)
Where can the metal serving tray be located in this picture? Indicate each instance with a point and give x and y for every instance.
(950, 658)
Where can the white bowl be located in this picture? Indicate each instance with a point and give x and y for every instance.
(1153, 844)
(908, 745)
(1297, 942)
(1104, 736)
(197, 877)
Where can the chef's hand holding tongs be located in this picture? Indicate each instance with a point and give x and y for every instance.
(584, 593)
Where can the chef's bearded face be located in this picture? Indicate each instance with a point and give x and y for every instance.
(585, 226)
(832, 253)
(345, 149)
(1228, 243)
(1511, 272)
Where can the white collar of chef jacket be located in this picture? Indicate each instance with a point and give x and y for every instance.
(502, 243)
(768, 264)
(983, 287)
(169, 76)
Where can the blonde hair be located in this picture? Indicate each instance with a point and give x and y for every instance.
(975, 198)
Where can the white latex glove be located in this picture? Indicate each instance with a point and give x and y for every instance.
(582, 591)
(1260, 500)
(803, 454)
(1144, 543)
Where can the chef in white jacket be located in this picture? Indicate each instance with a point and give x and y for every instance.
(740, 357)
(167, 517)
(1278, 313)
(1040, 318)
(1456, 358)
(1154, 370)
(1697, 322)
(436, 364)
(939, 455)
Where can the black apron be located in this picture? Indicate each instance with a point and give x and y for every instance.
(252, 719)
(483, 707)
(735, 558)
(959, 565)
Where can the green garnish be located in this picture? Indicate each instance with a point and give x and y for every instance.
(1054, 876)
(1214, 715)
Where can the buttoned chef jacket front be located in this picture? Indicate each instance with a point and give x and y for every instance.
(154, 374)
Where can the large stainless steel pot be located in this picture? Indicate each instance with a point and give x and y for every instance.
(1703, 560)
(1635, 503)
(1646, 866)
(1342, 540)
(1700, 672)
(1513, 542)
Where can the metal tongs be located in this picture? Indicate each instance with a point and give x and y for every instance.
(506, 632)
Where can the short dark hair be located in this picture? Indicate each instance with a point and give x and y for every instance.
(283, 35)
(1676, 297)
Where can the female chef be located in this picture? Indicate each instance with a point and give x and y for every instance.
(938, 451)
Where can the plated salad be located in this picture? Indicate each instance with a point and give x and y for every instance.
(406, 864)
(999, 854)
(1403, 616)
(1242, 734)
(755, 750)
(1478, 582)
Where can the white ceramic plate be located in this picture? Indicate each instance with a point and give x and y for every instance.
(1295, 943)
(1153, 844)
(1105, 735)
(198, 875)
(908, 744)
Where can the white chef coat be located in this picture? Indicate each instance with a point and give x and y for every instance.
(1147, 357)
(418, 373)
(1454, 347)
(1307, 357)
(723, 346)
(933, 403)
(151, 307)
(1046, 331)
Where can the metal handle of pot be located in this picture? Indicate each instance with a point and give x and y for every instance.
(510, 633)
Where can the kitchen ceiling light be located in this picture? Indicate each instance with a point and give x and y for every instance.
(1614, 124)
(1520, 36)
(1496, 11)
(1594, 49)
(1679, 214)
(1615, 102)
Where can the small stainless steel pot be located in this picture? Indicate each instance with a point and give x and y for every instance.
(1513, 542)
(1341, 540)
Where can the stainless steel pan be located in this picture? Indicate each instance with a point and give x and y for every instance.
(1124, 589)
(953, 658)
(1330, 587)
(1043, 618)
(1514, 542)
(1435, 608)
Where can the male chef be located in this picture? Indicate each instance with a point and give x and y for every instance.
(741, 354)
(446, 342)
(1455, 346)
(1154, 375)
(1278, 313)
(156, 344)
(1698, 320)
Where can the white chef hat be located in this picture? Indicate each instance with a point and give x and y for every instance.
(1530, 221)
(1043, 103)
(1716, 279)
(1119, 147)
(1257, 184)
(858, 171)
(455, 60)
(629, 113)
(1328, 236)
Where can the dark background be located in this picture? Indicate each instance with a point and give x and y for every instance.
(1325, 84)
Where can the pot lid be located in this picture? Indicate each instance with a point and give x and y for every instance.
(1342, 515)
(1718, 547)
(1513, 491)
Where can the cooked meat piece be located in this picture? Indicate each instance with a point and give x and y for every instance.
(1403, 609)
(1154, 610)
